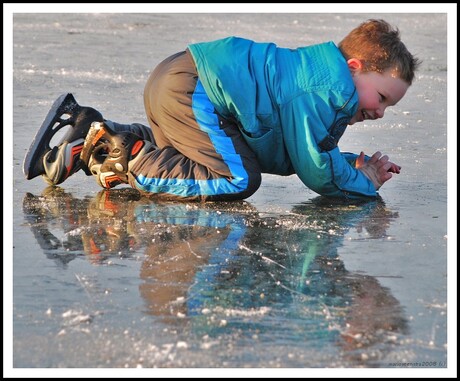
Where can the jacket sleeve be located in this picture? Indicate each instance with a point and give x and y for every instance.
(306, 119)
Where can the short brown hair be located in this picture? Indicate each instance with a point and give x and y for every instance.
(379, 47)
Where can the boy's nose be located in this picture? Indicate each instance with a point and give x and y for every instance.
(379, 113)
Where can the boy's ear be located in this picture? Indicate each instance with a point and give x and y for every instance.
(354, 64)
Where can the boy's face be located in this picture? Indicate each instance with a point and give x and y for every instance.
(376, 91)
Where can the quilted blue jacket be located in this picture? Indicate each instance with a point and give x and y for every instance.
(292, 106)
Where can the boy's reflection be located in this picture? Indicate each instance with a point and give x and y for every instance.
(224, 260)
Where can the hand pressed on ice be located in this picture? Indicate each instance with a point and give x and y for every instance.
(378, 168)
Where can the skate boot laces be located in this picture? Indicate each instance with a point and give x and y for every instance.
(107, 154)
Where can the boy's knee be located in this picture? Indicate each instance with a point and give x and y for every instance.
(252, 185)
(255, 179)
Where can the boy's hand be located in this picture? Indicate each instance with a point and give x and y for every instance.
(378, 168)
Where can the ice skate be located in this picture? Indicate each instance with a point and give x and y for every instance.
(57, 163)
(109, 154)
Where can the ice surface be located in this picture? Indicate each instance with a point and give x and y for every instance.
(285, 279)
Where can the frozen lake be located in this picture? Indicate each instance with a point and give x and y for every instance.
(285, 279)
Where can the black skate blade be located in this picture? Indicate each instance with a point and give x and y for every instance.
(33, 162)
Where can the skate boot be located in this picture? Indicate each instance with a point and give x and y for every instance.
(109, 155)
(57, 163)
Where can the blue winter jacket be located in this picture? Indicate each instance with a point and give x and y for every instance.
(292, 106)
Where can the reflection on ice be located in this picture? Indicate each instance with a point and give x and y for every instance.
(214, 270)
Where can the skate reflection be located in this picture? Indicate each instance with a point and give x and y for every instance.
(95, 227)
(219, 266)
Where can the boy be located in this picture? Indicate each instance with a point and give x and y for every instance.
(223, 112)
